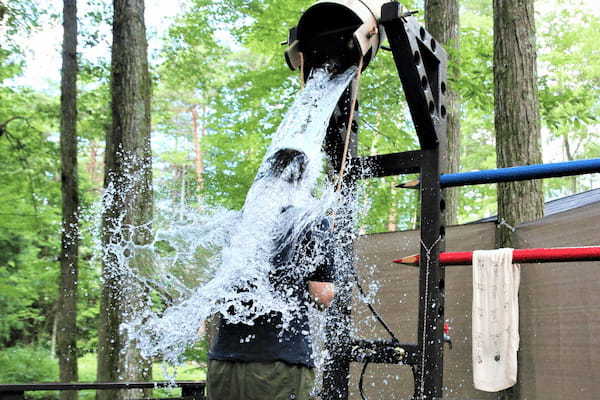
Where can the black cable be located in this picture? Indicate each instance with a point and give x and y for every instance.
(361, 379)
(375, 313)
(385, 326)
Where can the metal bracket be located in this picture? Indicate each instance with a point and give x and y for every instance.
(422, 64)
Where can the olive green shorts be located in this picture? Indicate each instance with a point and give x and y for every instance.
(231, 380)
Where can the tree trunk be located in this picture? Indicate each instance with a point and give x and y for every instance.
(517, 120)
(517, 117)
(570, 157)
(199, 158)
(93, 167)
(392, 224)
(442, 21)
(54, 333)
(128, 171)
(66, 323)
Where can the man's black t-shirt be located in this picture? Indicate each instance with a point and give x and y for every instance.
(266, 340)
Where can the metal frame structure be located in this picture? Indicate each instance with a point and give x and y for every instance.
(422, 68)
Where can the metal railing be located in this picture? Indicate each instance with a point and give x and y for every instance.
(192, 390)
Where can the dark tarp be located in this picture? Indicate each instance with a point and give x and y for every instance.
(559, 310)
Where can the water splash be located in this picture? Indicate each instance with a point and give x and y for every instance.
(206, 262)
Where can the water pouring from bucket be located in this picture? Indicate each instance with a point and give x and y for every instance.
(335, 35)
(333, 42)
(281, 199)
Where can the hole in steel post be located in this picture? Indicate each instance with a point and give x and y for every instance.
(442, 205)
(417, 58)
(442, 231)
(422, 33)
(441, 285)
(431, 107)
(424, 82)
(433, 44)
(443, 111)
(443, 87)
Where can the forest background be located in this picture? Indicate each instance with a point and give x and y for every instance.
(220, 88)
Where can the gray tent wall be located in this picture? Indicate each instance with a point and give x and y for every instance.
(559, 307)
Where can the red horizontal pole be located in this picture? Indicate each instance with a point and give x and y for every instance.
(523, 256)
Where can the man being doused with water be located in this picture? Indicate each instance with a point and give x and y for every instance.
(271, 358)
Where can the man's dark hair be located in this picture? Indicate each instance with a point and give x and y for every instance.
(284, 159)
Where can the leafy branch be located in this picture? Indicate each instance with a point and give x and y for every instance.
(4, 125)
(18, 145)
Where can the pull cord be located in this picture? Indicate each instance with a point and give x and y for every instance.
(384, 325)
(349, 127)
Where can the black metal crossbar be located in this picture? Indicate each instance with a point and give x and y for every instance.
(189, 389)
(384, 351)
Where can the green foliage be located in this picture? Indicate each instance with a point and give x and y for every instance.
(34, 364)
(29, 213)
(19, 17)
(568, 87)
(30, 204)
(27, 365)
(198, 353)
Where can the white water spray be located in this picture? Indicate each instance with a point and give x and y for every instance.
(235, 246)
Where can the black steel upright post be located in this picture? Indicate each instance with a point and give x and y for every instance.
(337, 368)
(339, 320)
(422, 68)
(428, 384)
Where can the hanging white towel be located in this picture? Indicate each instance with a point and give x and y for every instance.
(495, 319)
